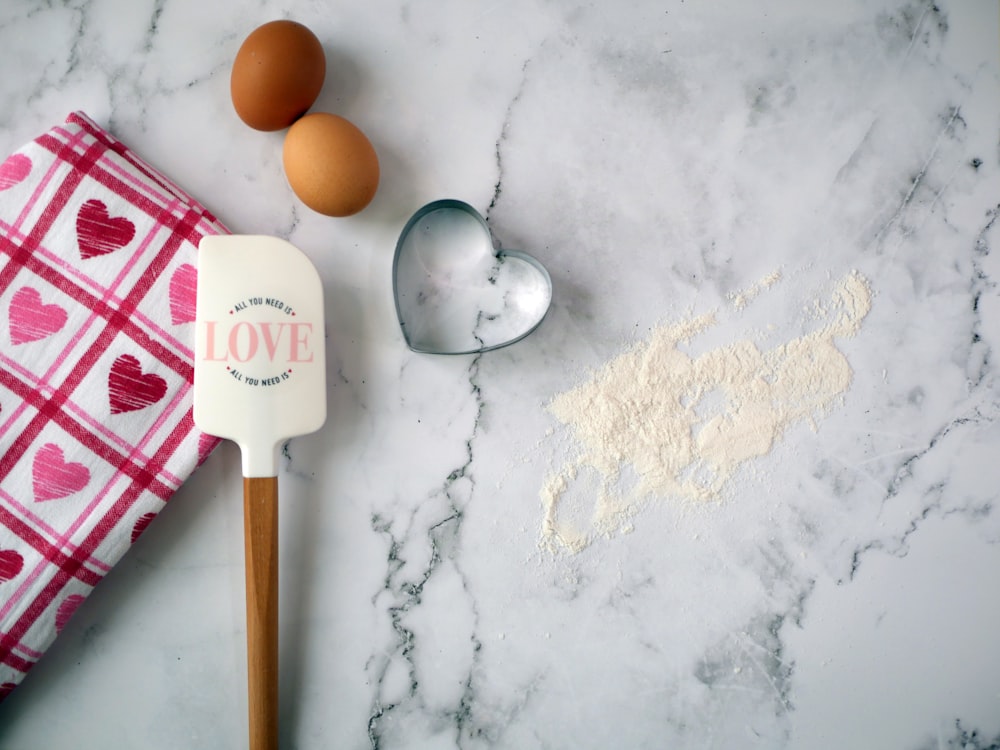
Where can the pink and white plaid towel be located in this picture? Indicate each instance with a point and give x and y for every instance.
(97, 296)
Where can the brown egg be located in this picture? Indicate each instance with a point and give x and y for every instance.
(277, 75)
(330, 164)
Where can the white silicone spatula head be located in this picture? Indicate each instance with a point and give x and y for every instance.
(259, 378)
(260, 372)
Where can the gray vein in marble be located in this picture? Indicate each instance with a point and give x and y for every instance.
(154, 22)
(904, 26)
(73, 56)
(444, 533)
(291, 467)
(962, 738)
(442, 536)
(906, 14)
(408, 596)
(931, 497)
(981, 354)
(502, 137)
(916, 182)
(896, 546)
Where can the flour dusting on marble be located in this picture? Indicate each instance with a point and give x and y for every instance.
(743, 297)
(680, 426)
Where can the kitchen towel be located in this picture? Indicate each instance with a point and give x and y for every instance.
(97, 297)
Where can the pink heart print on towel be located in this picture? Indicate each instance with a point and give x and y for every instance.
(53, 476)
(141, 525)
(67, 607)
(14, 170)
(11, 564)
(183, 293)
(98, 233)
(129, 389)
(31, 319)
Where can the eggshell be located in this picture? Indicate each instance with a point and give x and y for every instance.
(277, 75)
(330, 164)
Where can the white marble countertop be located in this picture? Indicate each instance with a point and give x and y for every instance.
(661, 159)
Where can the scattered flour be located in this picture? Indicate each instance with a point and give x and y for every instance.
(744, 297)
(683, 425)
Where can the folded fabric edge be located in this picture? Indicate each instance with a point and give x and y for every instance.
(80, 118)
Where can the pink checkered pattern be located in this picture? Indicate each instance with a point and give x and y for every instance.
(97, 307)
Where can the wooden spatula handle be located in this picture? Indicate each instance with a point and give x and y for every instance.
(260, 527)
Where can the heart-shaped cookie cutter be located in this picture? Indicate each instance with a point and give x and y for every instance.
(458, 292)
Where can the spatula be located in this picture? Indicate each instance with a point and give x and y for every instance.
(259, 379)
